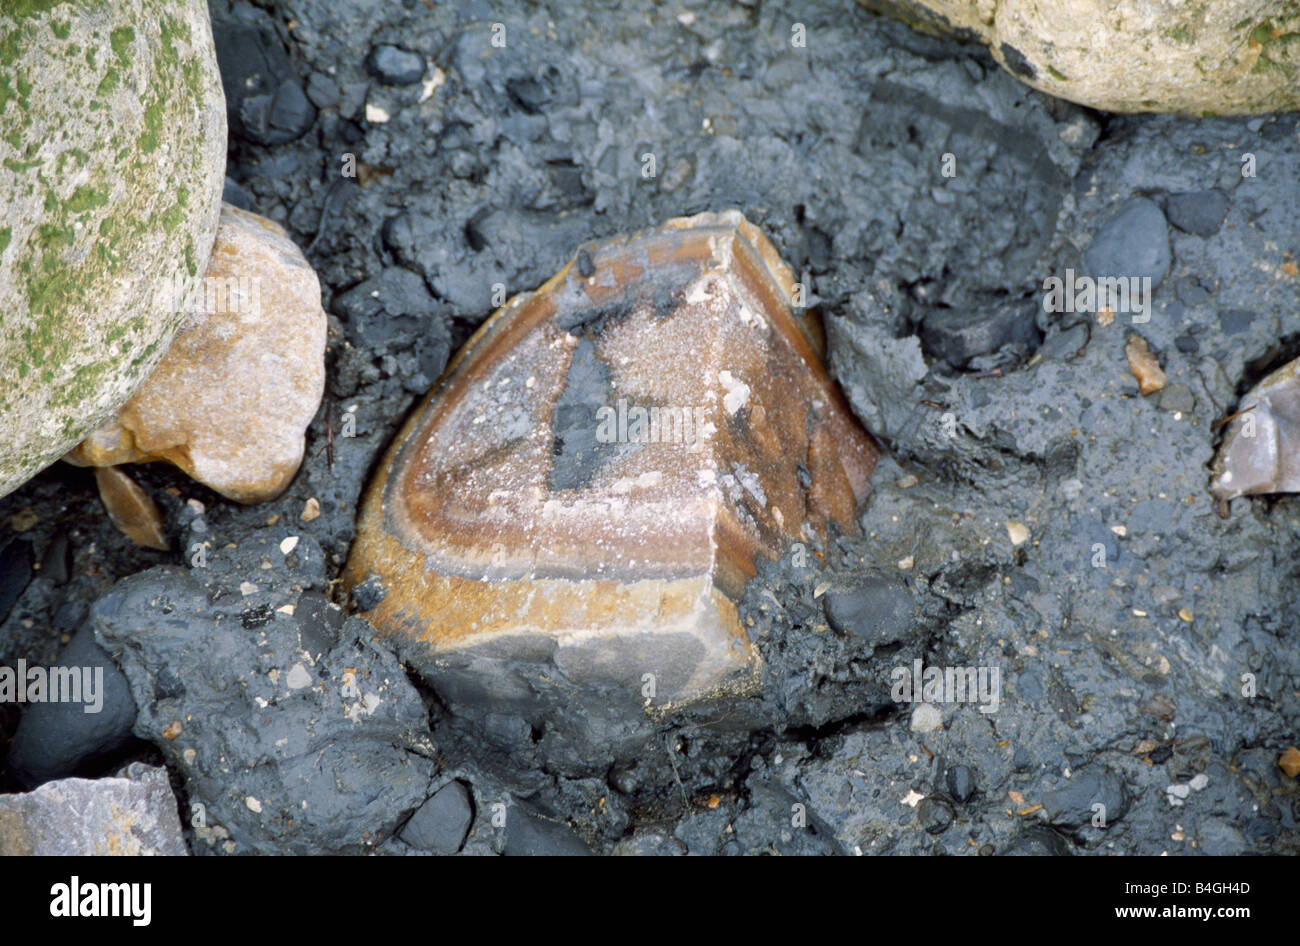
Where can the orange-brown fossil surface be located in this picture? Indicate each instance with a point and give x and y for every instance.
(589, 484)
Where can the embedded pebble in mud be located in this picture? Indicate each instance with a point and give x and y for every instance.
(1132, 243)
(691, 428)
(1199, 213)
(231, 400)
(1143, 365)
(441, 823)
(393, 65)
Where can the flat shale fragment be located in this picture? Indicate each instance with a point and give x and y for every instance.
(1261, 449)
(582, 497)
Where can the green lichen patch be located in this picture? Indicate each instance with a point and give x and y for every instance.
(111, 183)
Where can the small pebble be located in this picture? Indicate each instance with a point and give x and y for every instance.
(926, 717)
(1143, 365)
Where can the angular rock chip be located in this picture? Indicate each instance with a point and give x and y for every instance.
(133, 813)
(1261, 449)
(1143, 365)
(131, 509)
(588, 486)
(231, 400)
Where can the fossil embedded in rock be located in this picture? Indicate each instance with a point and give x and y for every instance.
(1261, 449)
(590, 483)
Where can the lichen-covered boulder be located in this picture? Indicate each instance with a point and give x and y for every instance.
(112, 156)
(1202, 57)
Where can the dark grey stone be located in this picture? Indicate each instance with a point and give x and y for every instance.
(960, 781)
(322, 90)
(1177, 398)
(1200, 213)
(961, 334)
(1070, 804)
(58, 739)
(1133, 242)
(1066, 344)
(1190, 292)
(528, 834)
(934, 815)
(442, 823)
(1235, 321)
(875, 606)
(319, 623)
(394, 65)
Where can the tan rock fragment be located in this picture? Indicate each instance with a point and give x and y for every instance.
(131, 509)
(231, 400)
(1143, 365)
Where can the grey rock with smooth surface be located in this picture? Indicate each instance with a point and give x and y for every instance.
(133, 813)
(530, 835)
(441, 824)
(1133, 242)
(1070, 804)
(393, 65)
(1200, 212)
(875, 607)
(56, 739)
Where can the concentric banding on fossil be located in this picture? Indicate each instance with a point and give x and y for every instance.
(690, 319)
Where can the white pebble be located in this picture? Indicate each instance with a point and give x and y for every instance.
(926, 718)
(298, 677)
